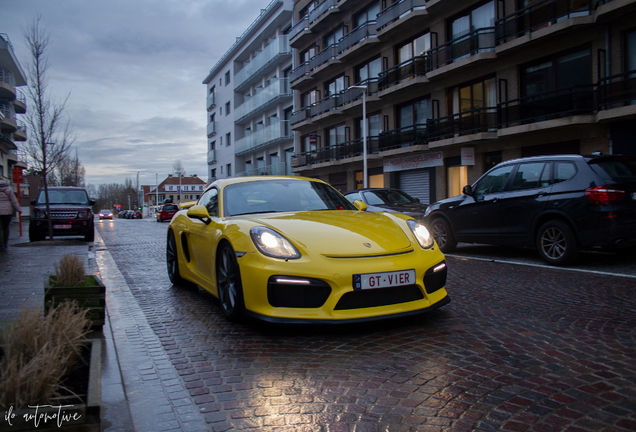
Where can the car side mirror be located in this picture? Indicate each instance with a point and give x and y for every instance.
(468, 190)
(360, 205)
(32, 202)
(199, 212)
(92, 202)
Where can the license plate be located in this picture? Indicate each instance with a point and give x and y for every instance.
(383, 280)
(61, 226)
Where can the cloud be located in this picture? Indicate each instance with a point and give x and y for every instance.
(134, 72)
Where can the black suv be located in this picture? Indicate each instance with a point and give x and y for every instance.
(71, 213)
(558, 204)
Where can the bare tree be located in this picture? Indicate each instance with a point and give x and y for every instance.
(71, 171)
(51, 137)
(178, 168)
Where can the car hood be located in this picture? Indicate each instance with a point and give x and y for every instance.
(341, 233)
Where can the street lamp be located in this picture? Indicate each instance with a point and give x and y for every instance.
(364, 131)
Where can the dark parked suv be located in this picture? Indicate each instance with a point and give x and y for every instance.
(558, 204)
(71, 214)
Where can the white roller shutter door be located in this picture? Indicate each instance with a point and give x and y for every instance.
(417, 184)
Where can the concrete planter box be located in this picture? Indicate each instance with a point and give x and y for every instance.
(91, 297)
(86, 417)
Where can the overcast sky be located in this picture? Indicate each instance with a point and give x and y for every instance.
(134, 70)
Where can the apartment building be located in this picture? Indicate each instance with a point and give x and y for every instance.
(249, 100)
(12, 102)
(451, 88)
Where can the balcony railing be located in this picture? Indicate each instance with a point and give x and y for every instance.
(7, 110)
(7, 77)
(327, 104)
(465, 123)
(211, 156)
(299, 72)
(271, 52)
(263, 137)
(322, 9)
(336, 152)
(211, 128)
(396, 10)
(365, 31)
(299, 116)
(210, 101)
(540, 14)
(475, 42)
(403, 137)
(299, 27)
(575, 100)
(617, 91)
(275, 90)
(329, 53)
(416, 66)
(276, 169)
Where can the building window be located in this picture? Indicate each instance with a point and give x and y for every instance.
(228, 139)
(227, 78)
(335, 86)
(309, 142)
(369, 70)
(414, 113)
(227, 109)
(333, 37)
(307, 54)
(414, 48)
(309, 98)
(337, 135)
(630, 51)
(456, 176)
(213, 145)
(213, 173)
(212, 117)
(474, 96)
(374, 126)
(228, 169)
(478, 18)
(562, 71)
(368, 15)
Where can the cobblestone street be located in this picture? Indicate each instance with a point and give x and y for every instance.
(518, 349)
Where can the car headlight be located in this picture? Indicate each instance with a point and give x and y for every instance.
(39, 214)
(82, 214)
(421, 233)
(272, 244)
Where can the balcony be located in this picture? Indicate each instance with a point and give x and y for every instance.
(210, 102)
(7, 117)
(276, 169)
(465, 123)
(211, 129)
(399, 10)
(365, 32)
(337, 101)
(300, 33)
(299, 116)
(19, 104)
(277, 51)
(476, 42)
(20, 133)
(270, 134)
(7, 84)
(407, 70)
(540, 15)
(571, 101)
(617, 91)
(336, 152)
(327, 55)
(321, 11)
(211, 157)
(403, 137)
(298, 73)
(263, 100)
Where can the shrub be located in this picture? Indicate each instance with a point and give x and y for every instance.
(39, 352)
(70, 271)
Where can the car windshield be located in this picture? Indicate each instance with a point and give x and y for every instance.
(268, 196)
(105, 211)
(390, 197)
(64, 197)
(617, 168)
(170, 207)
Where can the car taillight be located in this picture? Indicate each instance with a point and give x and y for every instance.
(602, 195)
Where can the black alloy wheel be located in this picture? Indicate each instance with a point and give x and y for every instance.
(443, 235)
(556, 243)
(172, 260)
(228, 278)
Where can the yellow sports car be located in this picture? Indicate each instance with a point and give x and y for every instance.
(293, 249)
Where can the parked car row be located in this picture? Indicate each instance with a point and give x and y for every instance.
(129, 214)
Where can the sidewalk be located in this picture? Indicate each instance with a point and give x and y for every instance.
(23, 268)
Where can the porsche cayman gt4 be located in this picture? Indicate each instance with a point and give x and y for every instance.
(292, 249)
